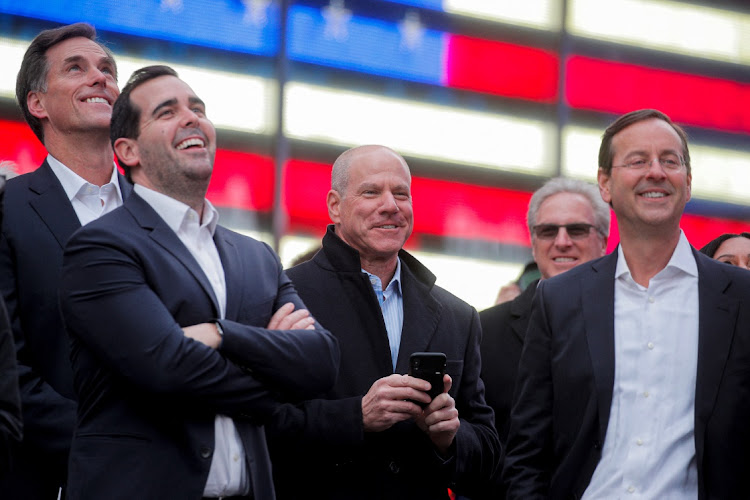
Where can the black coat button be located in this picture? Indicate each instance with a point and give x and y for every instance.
(394, 468)
(205, 451)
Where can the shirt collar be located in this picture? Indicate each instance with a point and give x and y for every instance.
(395, 282)
(175, 213)
(72, 182)
(682, 259)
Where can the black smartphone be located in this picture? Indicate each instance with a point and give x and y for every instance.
(429, 366)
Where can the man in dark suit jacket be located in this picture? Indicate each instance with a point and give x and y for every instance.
(66, 87)
(569, 225)
(174, 367)
(10, 402)
(634, 375)
(367, 436)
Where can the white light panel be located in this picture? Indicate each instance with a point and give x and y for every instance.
(11, 53)
(233, 101)
(542, 14)
(681, 28)
(425, 130)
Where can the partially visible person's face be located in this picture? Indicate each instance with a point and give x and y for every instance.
(81, 88)
(176, 145)
(374, 215)
(555, 255)
(652, 197)
(735, 251)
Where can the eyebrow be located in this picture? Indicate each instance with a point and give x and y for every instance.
(641, 152)
(168, 102)
(72, 59)
(196, 100)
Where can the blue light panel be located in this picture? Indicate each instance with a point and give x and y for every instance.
(367, 45)
(427, 4)
(223, 24)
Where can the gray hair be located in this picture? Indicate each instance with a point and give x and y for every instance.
(8, 169)
(566, 185)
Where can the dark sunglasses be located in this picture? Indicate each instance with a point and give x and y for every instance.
(576, 231)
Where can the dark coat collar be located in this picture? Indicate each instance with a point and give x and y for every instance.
(340, 257)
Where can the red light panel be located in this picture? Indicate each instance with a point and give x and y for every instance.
(21, 146)
(614, 87)
(242, 180)
(502, 69)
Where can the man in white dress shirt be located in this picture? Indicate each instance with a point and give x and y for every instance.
(183, 339)
(633, 381)
(66, 87)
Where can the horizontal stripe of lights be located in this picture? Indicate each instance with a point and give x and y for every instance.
(718, 174)
(453, 209)
(540, 14)
(233, 101)
(406, 50)
(429, 131)
(441, 207)
(671, 26)
(689, 99)
(242, 26)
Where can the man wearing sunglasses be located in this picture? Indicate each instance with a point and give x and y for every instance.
(634, 378)
(569, 225)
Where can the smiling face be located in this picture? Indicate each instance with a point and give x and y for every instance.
(374, 214)
(735, 251)
(81, 89)
(652, 198)
(176, 144)
(555, 256)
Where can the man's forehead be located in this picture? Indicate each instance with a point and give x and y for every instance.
(573, 207)
(648, 133)
(156, 91)
(72, 47)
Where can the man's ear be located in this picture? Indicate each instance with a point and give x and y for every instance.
(127, 151)
(35, 104)
(333, 200)
(602, 179)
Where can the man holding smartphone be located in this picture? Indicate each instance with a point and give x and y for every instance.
(368, 437)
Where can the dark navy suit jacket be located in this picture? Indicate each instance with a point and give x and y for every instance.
(148, 395)
(38, 220)
(566, 376)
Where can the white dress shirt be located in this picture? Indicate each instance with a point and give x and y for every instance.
(228, 475)
(649, 448)
(89, 200)
(392, 306)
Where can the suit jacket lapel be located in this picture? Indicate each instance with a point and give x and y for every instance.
(717, 317)
(125, 187)
(421, 317)
(52, 204)
(162, 234)
(598, 295)
(234, 274)
(520, 311)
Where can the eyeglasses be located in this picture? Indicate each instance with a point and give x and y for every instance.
(576, 231)
(671, 163)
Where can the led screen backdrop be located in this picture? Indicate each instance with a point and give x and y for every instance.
(485, 99)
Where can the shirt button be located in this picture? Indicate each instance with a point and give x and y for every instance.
(639, 441)
(235, 457)
(650, 345)
(646, 394)
(631, 489)
(651, 300)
